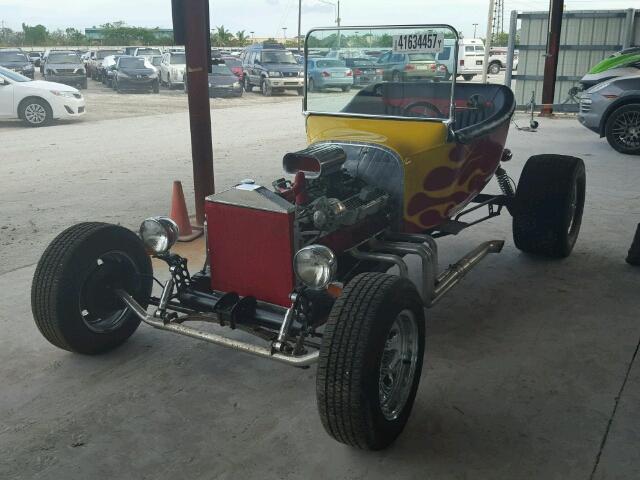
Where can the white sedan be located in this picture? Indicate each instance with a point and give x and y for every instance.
(37, 102)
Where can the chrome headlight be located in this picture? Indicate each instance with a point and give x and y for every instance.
(159, 234)
(58, 93)
(315, 266)
(301, 73)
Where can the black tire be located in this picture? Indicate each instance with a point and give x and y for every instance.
(468, 78)
(35, 112)
(300, 91)
(348, 378)
(311, 85)
(169, 83)
(494, 68)
(265, 89)
(83, 84)
(624, 139)
(156, 87)
(346, 88)
(247, 84)
(63, 281)
(549, 204)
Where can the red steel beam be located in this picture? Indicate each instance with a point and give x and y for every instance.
(551, 61)
(196, 21)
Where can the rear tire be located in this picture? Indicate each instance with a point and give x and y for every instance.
(72, 297)
(367, 380)
(494, 68)
(549, 204)
(623, 129)
(468, 78)
(346, 88)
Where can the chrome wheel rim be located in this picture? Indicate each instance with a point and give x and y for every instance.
(398, 365)
(626, 129)
(35, 113)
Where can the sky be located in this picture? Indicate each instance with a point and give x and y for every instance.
(267, 17)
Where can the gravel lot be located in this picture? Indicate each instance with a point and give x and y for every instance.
(529, 370)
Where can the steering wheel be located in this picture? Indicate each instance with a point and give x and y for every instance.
(409, 111)
(476, 101)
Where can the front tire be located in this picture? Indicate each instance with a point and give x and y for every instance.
(266, 90)
(36, 112)
(371, 360)
(72, 295)
(623, 129)
(247, 85)
(549, 204)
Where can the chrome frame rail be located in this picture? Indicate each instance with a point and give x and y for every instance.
(264, 352)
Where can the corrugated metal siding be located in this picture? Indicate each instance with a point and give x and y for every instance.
(587, 38)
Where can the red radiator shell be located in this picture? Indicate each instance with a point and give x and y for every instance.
(251, 251)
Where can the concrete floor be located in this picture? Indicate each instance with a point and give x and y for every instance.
(529, 370)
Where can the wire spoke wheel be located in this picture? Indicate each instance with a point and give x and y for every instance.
(35, 113)
(626, 129)
(398, 365)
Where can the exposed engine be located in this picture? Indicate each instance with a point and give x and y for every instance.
(326, 195)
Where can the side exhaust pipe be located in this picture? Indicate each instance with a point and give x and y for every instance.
(296, 361)
(450, 277)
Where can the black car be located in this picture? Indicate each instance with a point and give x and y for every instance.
(222, 81)
(272, 68)
(135, 74)
(67, 68)
(17, 61)
(364, 71)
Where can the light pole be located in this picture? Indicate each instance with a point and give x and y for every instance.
(299, 22)
(336, 6)
(475, 26)
(253, 39)
(284, 34)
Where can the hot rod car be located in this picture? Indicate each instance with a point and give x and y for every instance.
(313, 267)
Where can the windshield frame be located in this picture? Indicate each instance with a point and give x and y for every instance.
(135, 59)
(455, 45)
(17, 54)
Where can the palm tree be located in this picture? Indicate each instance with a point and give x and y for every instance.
(223, 36)
(241, 37)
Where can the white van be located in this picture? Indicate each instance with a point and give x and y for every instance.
(470, 57)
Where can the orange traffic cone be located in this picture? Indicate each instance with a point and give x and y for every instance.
(180, 215)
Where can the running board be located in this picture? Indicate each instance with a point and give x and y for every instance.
(296, 361)
(456, 272)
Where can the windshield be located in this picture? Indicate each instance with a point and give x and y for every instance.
(149, 51)
(178, 59)
(132, 62)
(100, 54)
(221, 69)
(64, 58)
(404, 83)
(329, 63)
(232, 62)
(278, 57)
(12, 57)
(11, 75)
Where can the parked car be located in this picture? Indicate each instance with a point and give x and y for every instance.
(37, 102)
(344, 53)
(67, 68)
(620, 64)
(155, 61)
(95, 70)
(147, 52)
(364, 71)
(470, 58)
(328, 73)
(222, 82)
(234, 64)
(399, 67)
(135, 74)
(108, 64)
(35, 58)
(16, 60)
(446, 58)
(272, 68)
(612, 109)
(172, 69)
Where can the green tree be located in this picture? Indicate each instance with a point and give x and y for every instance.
(241, 38)
(221, 37)
(74, 36)
(36, 35)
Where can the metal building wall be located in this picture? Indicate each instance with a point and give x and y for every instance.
(588, 36)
